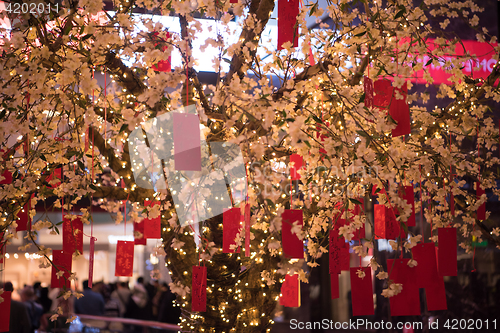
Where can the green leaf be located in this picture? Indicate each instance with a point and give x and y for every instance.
(356, 202)
(360, 34)
(317, 119)
(400, 14)
(307, 143)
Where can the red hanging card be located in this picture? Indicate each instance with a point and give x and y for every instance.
(435, 295)
(139, 238)
(163, 65)
(199, 289)
(386, 225)
(293, 247)
(2, 246)
(290, 291)
(5, 311)
(447, 254)
(231, 226)
(409, 197)
(297, 162)
(23, 219)
(359, 233)
(334, 285)
(73, 235)
(233, 1)
(362, 292)
(426, 269)
(400, 112)
(187, 142)
(335, 244)
(8, 177)
(152, 227)
(91, 261)
(427, 276)
(124, 265)
(288, 30)
(382, 93)
(407, 302)
(481, 211)
(345, 257)
(246, 217)
(55, 175)
(61, 262)
(368, 87)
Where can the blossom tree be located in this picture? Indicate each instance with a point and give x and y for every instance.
(346, 104)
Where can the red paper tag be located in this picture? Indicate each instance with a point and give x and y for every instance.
(435, 295)
(287, 22)
(124, 258)
(368, 87)
(231, 226)
(293, 247)
(61, 262)
(2, 246)
(359, 233)
(386, 225)
(73, 235)
(426, 269)
(5, 311)
(163, 65)
(23, 219)
(298, 162)
(91, 261)
(335, 245)
(8, 177)
(187, 149)
(382, 93)
(56, 174)
(447, 254)
(152, 227)
(233, 1)
(407, 302)
(481, 211)
(409, 197)
(345, 257)
(427, 276)
(247, 229)
(362, 292)
(290, 291)
(199, 289)
(334, 285)
(400, 112)
(139, 238)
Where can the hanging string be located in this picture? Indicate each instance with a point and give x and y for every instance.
(105, 107)
(421, 205)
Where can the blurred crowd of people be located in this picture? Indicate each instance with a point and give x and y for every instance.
(33, 306)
